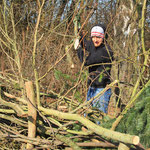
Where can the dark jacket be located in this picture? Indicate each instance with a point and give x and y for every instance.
(99, 61)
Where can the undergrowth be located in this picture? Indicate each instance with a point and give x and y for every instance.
(137, 120)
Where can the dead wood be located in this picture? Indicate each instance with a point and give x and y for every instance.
(32, 114)
(126, 138)
(97, 144)
(14, 106)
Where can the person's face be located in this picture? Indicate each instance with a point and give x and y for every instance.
(97, 41)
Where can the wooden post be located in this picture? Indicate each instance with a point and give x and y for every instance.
(32, 114)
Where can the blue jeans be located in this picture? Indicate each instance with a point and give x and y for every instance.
(102, 101)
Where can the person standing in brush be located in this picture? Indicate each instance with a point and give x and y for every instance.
(98, 61)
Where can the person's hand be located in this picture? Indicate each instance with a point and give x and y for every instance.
(81, 33)
(76, 44)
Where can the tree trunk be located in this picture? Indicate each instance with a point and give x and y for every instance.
(126, 34)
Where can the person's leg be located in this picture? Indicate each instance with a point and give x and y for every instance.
(90, 93)
(107, 96)
(102, 102)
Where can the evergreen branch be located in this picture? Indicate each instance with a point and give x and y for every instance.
(114, 125)
(68, 142)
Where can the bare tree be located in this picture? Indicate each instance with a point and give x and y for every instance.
(33, 38)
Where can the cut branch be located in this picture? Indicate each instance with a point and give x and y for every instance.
(17, 98)
(14, 120)
(14, 106)
(96, 144)
(125, 138)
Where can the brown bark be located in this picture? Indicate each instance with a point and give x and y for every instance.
(60, 12)
(125, 45)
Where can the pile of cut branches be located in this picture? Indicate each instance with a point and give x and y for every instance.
(28, 125)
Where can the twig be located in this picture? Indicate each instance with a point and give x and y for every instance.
(34, 54)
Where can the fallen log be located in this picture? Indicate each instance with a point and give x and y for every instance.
(121, 137)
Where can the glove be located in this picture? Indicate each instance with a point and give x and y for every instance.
(76, 44)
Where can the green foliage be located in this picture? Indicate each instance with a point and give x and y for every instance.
(84, 76)
(137, 120)
(66, 80)
(77, 127)
(107, 123)
(100, 77)
(102, 74)
(59, 75)
(17, 86)
(78, 96)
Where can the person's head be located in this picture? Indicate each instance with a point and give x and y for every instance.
(97, 35)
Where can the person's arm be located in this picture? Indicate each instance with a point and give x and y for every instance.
(80, 54)
(84, 44)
